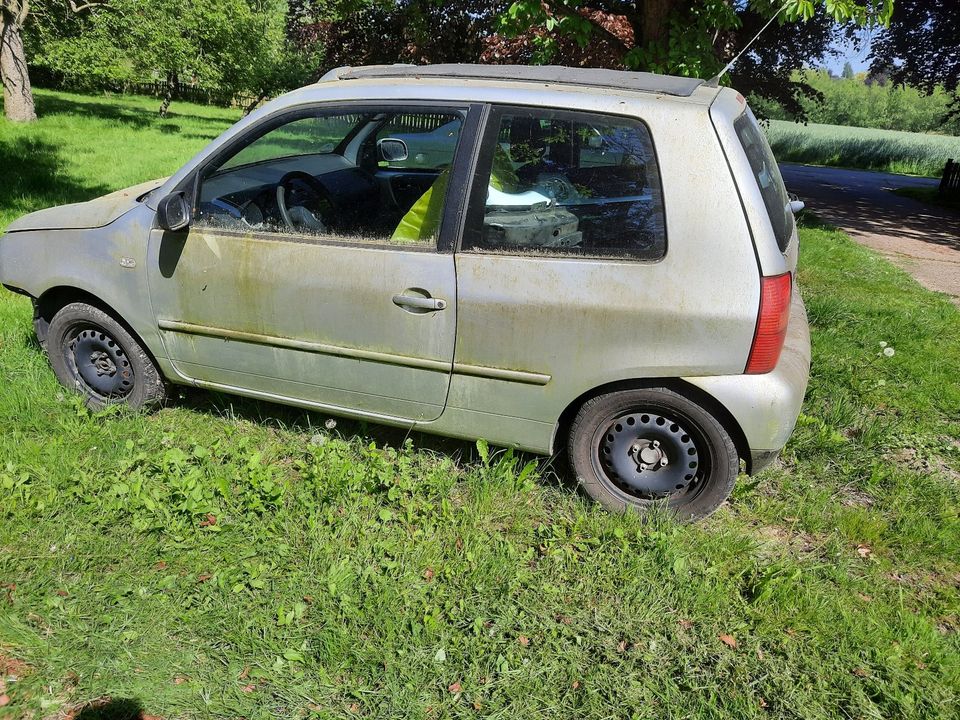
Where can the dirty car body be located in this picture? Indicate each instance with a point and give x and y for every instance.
(534, 256)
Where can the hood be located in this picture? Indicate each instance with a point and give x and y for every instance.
(92, 214)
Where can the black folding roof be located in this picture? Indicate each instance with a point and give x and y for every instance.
(554, 74)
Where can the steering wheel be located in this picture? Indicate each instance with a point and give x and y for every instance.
(303, 201)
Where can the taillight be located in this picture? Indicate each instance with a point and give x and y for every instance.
(771, 325)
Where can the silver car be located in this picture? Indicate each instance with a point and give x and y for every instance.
(548, 258)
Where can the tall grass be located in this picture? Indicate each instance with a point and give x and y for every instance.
(866, 148)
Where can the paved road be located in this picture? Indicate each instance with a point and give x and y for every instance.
(922, 239)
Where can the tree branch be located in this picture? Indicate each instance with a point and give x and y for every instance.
(562, 9)
(86, 6)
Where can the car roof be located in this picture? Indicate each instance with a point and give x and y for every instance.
(553, 74)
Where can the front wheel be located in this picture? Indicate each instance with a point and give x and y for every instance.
(92, 353)
(638, 448)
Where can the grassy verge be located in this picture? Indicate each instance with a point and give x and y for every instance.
(866, 148)
(223, 557)
(928, 195)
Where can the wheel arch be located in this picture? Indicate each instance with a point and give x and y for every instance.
(54, 299)
(692, 393)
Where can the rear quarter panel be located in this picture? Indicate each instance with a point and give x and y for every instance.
(585, 323)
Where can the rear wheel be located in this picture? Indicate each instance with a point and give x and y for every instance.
(640, 448)
(92, 353)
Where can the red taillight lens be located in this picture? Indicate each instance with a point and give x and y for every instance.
(772, 325)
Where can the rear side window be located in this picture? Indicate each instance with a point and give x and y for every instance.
(559, 183)
(768, 177)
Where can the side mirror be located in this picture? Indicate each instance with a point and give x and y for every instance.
(392, 150)
(796, 204)
(173, 212)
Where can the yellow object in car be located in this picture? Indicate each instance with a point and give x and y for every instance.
(422, 221)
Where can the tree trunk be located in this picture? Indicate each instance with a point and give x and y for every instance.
(653, 22)
(17, 94)
(168, 94)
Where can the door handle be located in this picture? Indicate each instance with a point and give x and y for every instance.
(420, 303)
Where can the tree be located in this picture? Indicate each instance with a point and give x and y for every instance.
(921, 46)
(413, 31)
(847, 73)
(231, 46)
(695, 39)
(17, 93)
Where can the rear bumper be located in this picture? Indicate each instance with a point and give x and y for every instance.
(766, 406)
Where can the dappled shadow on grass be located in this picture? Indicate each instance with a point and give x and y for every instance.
(109, 109)
(35, 177)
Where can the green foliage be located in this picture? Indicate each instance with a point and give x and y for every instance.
(884, 106)
(688, 47)
(364, 574)
(235, 46)
(869, 149)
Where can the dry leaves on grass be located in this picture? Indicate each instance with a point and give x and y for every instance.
(455, 687)
(864, 551)
(523, 640)
(728, 640)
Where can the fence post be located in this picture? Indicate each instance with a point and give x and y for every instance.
(950, 176)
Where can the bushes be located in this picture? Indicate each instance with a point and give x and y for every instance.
(882, 106)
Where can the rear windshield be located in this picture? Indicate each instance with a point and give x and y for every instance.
(767, 173)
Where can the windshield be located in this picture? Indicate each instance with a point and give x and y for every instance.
(315, 135)
(768, 177)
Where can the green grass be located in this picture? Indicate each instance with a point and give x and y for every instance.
(931, 196)
(84, 146)
(353, 573)
(866, 148)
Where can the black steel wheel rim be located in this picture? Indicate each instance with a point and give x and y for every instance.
(651, 455)
(98, 362)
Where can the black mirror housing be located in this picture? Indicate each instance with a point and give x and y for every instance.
(392, 150)
(173, 212)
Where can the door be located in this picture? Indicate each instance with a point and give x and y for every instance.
(305, 277)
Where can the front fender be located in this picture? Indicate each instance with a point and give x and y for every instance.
(108, 263)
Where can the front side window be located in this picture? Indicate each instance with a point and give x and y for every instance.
(767, 174)
(562, 183)
(376, 176)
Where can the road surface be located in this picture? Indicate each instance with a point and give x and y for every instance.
(922, 239)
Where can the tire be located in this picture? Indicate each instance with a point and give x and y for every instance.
(635, 449)
(92, 353)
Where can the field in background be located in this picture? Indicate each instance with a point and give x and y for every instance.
(86, 145)
(866, 148)
(223, 557)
